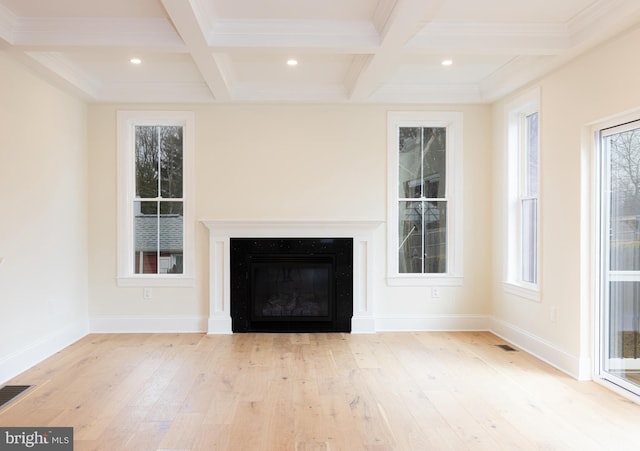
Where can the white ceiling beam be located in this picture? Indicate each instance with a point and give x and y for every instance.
(8, 24)
(189, 22)
(101, 32)
(405, 19)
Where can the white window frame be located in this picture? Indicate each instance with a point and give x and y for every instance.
(515, 120)
(453, 122)
(126, 123)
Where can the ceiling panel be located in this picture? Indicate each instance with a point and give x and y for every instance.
(296, 9)
(499, 11)
(353, 51)
(115, 66)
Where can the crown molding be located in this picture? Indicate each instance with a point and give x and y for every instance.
(151, 33)
(427, 93)
(303, 92)
(171, 92)
(382, 14)
(498, 38)
(603, 18)
(8, 24)
(61, 66)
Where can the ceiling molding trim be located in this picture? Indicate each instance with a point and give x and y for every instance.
(473, 29)
(66, 70)
(593, 14)
(205, 14)
(382, 13)
(97, 32)
(303, 92)
(8, 24)
(358, 64)
(196, 92)
(294, 34)
(428, 93)
(516, 74)
(492, 38)
(600, 18)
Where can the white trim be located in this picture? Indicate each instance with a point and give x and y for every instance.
(578, 367)
(433, 280)
(624, 364)
(126, 186)
(617, 389)
(596, 170)
(526, 103)
(146, 324)
(34, 353)
(453, 121)
(527, 292)
(221, 231)
(146, 280)
(432, 323)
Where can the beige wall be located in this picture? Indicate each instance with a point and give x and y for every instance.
(288, 162)
(295, 162)
(602, 83)
(43, 217)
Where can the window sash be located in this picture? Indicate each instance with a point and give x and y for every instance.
(425, 209)
(523, 203)
(172, 207)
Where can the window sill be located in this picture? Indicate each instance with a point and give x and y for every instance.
(530, 293)
(157, 281)
(424, 280)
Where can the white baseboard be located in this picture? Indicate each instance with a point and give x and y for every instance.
(577, 367)
(413, 323)
(219, 325)
(144, 324)
(363, 325)
(34, 353)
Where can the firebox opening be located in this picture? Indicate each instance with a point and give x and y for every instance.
(291, 284)
(292, 287)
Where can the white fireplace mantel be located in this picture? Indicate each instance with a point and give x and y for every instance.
(220, 232)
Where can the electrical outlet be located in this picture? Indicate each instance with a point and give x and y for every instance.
(147, 293)
(435, 293)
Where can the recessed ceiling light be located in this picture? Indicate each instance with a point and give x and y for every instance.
(447, 62)
(135, 61)
(292, 62)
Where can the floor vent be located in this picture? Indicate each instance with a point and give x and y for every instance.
(507, 348)
(10, 392)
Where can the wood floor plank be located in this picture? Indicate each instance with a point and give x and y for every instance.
(289, 392)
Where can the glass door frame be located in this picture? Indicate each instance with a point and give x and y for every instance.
(604, 275)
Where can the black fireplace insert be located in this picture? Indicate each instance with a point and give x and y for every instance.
(291, 284)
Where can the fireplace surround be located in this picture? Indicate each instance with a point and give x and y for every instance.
(361, 233)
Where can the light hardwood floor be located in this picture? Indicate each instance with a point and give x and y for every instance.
(388, 391)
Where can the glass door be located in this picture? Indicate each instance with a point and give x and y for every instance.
(619, 255)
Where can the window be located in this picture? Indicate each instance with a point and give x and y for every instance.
(523, 196)
(155, 183)
(425, 198)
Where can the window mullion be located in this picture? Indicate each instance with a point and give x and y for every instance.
(158, 203)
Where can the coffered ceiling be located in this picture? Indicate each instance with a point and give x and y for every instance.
(351, 51)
